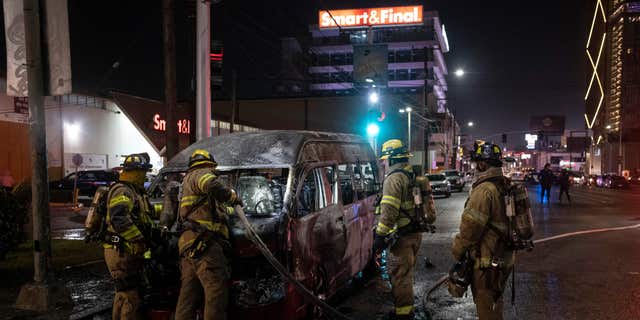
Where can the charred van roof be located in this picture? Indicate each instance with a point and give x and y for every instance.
(275, 149)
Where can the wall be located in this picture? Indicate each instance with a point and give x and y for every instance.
(14, 150)
(89, 129)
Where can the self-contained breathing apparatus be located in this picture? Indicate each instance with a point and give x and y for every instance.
(419, 222)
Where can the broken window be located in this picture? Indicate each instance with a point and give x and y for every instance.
(345, 176)
(261, 190)
(308, 194)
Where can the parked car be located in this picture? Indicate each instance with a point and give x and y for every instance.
(310, 196)
(88, 181)
(455, 179)
(634, 180)
(439, 184)
(616, 182)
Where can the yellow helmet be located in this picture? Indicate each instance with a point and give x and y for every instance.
(200, 157)
(137, 161)
(394, 149)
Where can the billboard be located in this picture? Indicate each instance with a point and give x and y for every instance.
(370, 63)
(548, 125)
(578, 144)
(352, 18)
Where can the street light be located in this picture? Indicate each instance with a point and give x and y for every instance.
(408, 111)
(608, 127)
(368, 80)
(459, 73)
(373, 97)
(470, 124)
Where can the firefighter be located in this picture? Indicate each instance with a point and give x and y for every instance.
(483, 227)
(204, 244)
(129, 236)
(398, 215)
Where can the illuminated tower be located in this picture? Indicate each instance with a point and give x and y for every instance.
(612, 97)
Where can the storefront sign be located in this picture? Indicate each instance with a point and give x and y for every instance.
(531, 140)
(159, 124)
(389, 16)
(84, 161)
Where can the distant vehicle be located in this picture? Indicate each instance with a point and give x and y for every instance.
(601, 180)
(578, 178)
(455, 179)
(616, 182)
(439, 184)
(88, 181)
(591, 180)
(517, 176)
(634, 179)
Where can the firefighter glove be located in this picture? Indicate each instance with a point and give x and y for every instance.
(379, 242)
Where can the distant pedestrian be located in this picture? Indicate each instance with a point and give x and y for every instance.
(565, 183)
(546, 178)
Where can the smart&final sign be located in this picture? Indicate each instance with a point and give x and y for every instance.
(159, 124)
(389, 16)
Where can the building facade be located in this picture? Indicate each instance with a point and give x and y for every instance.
(613, 96)
(412, 72)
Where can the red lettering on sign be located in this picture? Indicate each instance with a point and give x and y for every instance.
(184, 125)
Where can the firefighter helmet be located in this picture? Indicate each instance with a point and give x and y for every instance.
(200, 157)
(137, 161)
(486, 152)
(394, 149)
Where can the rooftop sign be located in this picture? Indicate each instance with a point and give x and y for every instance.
(389, 16)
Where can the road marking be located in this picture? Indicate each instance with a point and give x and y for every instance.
(571, 234)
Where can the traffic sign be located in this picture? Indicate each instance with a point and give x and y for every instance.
(77, 159)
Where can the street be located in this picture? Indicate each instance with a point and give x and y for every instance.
(589, 276)
(592, 276)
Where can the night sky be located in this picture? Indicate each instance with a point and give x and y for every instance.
(521, 57)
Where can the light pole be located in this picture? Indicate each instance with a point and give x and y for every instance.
(408, 110)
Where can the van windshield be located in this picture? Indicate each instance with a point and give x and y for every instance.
(262, 190)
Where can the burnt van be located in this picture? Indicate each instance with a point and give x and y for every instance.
(310, 197)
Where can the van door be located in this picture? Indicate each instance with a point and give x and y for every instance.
(317, 231)
(357, 195)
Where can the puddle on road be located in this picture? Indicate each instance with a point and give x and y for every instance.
(89, 289)
(68, 234)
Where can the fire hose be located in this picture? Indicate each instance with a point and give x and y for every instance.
(262, 247)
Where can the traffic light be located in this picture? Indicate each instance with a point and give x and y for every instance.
(504, 138)
(374, 116)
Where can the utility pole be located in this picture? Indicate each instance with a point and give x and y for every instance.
(203, 70)
(42, 294)
(234, 101)
(170, 100)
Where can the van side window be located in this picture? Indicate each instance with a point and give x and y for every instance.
(345, 177)
(308, 195)
(329, 186)
(369, 172)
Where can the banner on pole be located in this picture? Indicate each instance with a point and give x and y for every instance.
(17, 85)
(57, 53)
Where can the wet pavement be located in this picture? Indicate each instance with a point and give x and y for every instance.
(67, 223)
(594, 276)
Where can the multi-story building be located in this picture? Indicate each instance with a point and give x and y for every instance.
(612, 97)
(415, 71)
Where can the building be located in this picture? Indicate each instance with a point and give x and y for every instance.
(403, 58)
(612, 97)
